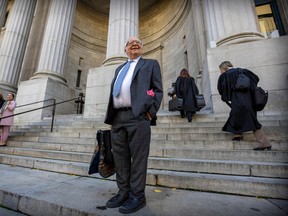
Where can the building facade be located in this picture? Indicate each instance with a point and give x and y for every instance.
(60, 48)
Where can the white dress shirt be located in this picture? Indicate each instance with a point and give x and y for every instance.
(124, 98)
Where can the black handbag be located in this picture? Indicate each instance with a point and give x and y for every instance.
(102, 161)
(175, 104)
(180, 102)
(260, 98)
(200, 101)
(172, 106)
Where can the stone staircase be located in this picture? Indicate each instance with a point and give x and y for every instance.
(195, 156)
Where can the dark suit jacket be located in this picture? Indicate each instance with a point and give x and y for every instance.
(146, 76)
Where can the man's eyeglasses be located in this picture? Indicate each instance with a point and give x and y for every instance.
(130, 43)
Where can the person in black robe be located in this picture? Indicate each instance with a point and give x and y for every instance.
(243, 115)
(186, 88)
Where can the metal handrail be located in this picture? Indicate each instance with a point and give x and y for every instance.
(53, 110)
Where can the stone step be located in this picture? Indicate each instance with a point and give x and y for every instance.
(279, 145)
(65, 140)
(197, 155)
(48, 154)
(163, 118)
(68, 134)
(228, 155)
(238, 155)
(77, 132)
(168, 116)
(250, 186)
(219, 124)
(60, 128)
(159, 144)
(212, 129)
(90, 138)
(241, 185)
(64, 124)
(37, 192)
(86, 148)
(212, 136)
(256, 169)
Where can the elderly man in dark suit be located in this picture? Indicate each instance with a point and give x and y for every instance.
(132, 105)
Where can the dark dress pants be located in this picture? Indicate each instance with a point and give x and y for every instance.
(130, 145)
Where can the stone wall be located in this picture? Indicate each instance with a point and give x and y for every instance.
(88, 42)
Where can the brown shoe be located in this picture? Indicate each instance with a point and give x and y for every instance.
(2, 143)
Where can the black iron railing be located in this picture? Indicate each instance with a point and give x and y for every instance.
(54, 104)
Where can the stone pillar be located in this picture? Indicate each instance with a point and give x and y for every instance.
(56, 41)
(49, 79)
(123, 23)
(14, 43)
(230, 22)
(3, 8)
(34, 44)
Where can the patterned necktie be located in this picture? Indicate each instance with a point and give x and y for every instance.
(117, 85)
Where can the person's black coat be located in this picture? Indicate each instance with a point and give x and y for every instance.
(1, 103)
(187, 89)
(243, 115)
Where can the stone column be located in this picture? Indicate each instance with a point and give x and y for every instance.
(230, 22)
(3, 8)
(34, 44)
(123, 23)
(56, 40)
(14, 43)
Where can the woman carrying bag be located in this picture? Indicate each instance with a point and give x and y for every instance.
(186, 88)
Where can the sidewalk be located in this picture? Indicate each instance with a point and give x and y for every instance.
(40, 193)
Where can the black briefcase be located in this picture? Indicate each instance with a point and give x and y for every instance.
(173, 104)
(200, 101)
(176, 104)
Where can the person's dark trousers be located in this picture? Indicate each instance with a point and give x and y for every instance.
(189, 116)
(182, 113)
(130, 145)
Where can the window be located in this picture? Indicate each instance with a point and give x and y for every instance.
(78, 78)
(80, 63)
(269, 18)
(186, 59)
(266, 19)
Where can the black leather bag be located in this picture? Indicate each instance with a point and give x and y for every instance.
(180, 103)
(200, 101)
(260, 98)
(175, 104)
(102, 161)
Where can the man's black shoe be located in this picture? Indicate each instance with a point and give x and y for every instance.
(132, 205)
(116, 201)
